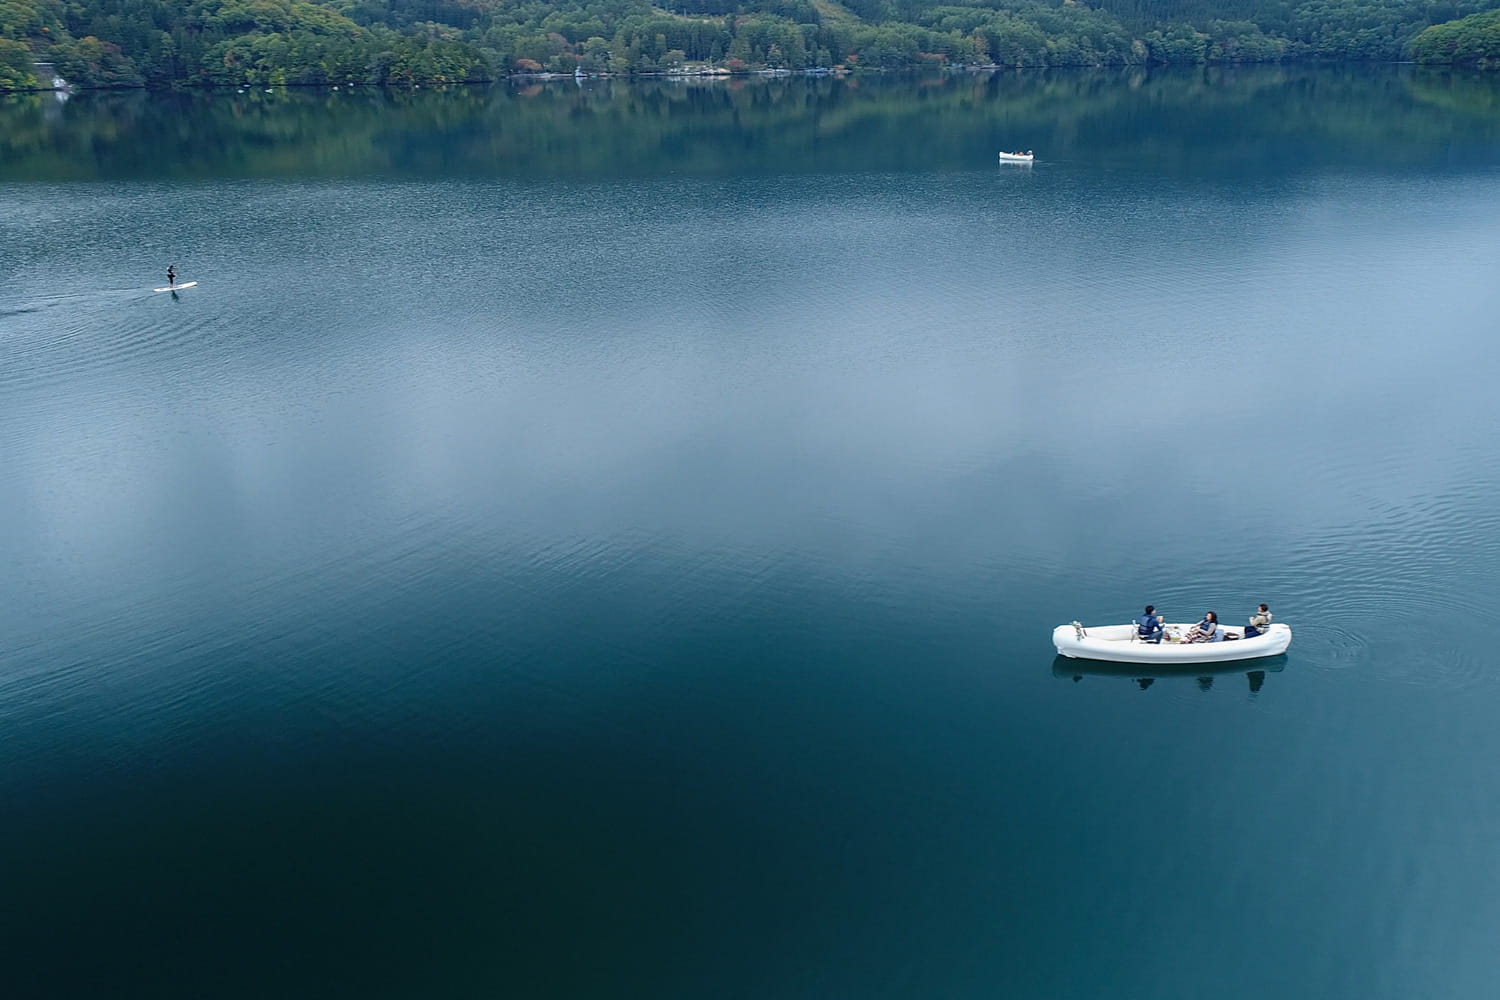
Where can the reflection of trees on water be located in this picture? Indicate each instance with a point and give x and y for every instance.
(1190, 122)
(1204, 675)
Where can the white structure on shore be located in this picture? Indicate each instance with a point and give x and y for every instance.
(47, 78)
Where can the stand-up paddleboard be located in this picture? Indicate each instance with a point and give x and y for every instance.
(176, 288)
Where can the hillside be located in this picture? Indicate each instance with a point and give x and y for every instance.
(153, 43)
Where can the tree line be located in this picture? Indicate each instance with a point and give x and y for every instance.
(1469, 41)
(160, 43)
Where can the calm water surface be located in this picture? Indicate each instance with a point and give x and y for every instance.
(604, 541)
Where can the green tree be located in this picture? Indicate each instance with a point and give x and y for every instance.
(90, 62)
(15, 66)
(1472, 41)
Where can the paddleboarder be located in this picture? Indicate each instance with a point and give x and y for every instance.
(171, 275)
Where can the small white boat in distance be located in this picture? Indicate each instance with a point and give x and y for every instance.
(1025, 157)
(1119, 644)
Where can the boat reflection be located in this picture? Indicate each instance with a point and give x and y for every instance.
(1145, 675)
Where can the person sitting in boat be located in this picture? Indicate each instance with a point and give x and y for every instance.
(1148, 627)
(1260, 622)
(1205, 631)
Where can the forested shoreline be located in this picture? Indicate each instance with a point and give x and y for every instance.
(159, 44)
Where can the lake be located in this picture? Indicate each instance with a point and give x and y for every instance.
(603, 539)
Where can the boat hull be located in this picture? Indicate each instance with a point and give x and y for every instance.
(1116, 644)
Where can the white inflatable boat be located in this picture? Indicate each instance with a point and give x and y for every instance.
(1118, 644)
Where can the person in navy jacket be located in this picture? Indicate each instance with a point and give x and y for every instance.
(1148, 627)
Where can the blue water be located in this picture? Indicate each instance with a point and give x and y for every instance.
(530, 577)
